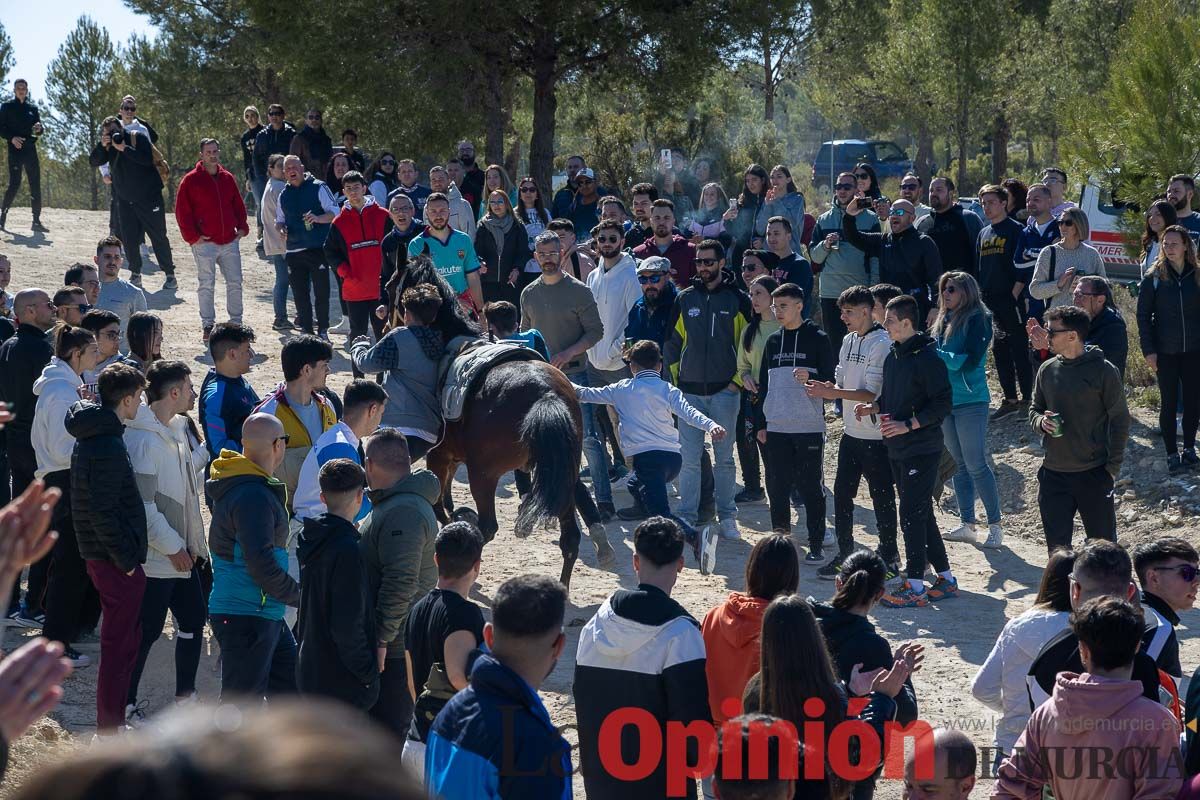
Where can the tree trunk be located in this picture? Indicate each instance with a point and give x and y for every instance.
(1053, 144)
(545, 105)
(497, 116)
(768, 83)
(964, 111)
(1000, 149)
(924, 160)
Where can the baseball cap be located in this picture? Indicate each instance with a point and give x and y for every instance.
(654, 264)
(586, 172)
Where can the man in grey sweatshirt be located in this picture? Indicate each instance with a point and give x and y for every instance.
(117, 295)
(1079, 409)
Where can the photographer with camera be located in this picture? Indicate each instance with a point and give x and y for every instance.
(138, 188)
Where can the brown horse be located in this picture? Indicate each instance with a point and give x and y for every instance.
(523, 415)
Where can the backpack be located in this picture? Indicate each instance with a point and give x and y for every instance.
(160, 163)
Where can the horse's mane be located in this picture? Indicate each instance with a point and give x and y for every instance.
(451, 320)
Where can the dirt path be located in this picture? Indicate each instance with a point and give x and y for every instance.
(995, 586)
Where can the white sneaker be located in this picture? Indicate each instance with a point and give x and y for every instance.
(995, 537)
(135, 715)
(623, 481)
(963, 533)
(708, 550)
(729, 529)
(191, 700)
(830, 538)
(341, 327)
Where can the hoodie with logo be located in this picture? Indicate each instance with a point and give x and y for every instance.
(731, 634)
(1095, 739)
(703, 334)
(57, 389)
(860, 367)
(641, 650)
(248, 538)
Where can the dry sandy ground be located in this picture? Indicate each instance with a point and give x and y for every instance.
(996, 586)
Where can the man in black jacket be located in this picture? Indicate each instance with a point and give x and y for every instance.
(20, 127)
(997, 275)
(916, 397)
(953, 230)
(110, 528)
(907, 258)
(138, 188)
(22, 359)
(276, 137)
(313, 144)
(337, 625)
(1107, 329)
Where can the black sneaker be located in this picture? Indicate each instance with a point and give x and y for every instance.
(1173, 463)
(78, 660)
(749, 496)
(170, 284)
(282, 325)
(815, 556)
(607, 511)
(207, 332)
(1189, 458)
(136, 279)
(38, 227)
(1006, 407)
(635, 511)
(831, 570)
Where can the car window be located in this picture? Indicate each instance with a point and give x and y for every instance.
(1110, 202)
(888, 151)
(854, 152)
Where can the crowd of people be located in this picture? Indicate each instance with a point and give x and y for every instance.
(680, 317)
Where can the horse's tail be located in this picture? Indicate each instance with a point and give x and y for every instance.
(550, 433)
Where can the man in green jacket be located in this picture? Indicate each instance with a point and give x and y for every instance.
(397, 546)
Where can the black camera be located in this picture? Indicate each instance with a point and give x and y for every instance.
(117, 136)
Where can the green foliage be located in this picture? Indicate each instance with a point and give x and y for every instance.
(1144, 122)
(7, 58)
(81, 88)
(1137, 372)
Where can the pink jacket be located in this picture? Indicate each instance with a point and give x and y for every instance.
(1095, 739)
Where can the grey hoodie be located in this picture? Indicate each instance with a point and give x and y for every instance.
(411, 357)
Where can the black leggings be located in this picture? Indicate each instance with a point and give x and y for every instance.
(1173, 369)
(795, 461)
(185, 599)
(748, 447)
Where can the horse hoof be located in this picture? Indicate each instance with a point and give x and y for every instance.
(523, 531)
(605, 555)
(465, 515)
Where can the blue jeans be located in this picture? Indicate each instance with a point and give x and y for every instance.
(593, 446)
(722, 408)
(652, 471)
(258, 656)
(280, 291)
(965, 434)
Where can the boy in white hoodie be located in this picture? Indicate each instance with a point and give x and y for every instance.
(165, 466)
(57, 389)
(645, 404)
(858, 378)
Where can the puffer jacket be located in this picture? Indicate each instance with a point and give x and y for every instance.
(964, 352)
(353, 249)
(110, 520)
(57, 390)
(703, 335)
(165, 467)
(1168, 314)
(248, 539)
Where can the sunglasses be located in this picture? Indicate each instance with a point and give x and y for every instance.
(650, 278)
(897, 212)
(528, 190)
(1052, 332)
(1186, 571)
(751, 266)
(911, 186)
(387, 161)
(708, 262)
(129, 108)
(83, 307)
(285, 438)
(274, 113)
(608, 239)
(862, 176)
(844, 187)
(1066, 222)
(950, 289)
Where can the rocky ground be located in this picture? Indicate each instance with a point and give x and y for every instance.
(958, 634)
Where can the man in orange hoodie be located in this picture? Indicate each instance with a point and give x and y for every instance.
(1097, 737)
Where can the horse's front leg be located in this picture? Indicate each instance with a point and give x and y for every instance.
(441, 464)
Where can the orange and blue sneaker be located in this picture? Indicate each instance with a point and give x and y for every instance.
(905, 597)
(943, 589)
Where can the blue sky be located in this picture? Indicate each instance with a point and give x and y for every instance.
(38, 27)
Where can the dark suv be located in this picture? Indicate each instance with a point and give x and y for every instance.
(886, 158)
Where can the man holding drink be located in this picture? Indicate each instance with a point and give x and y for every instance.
(1079, 405)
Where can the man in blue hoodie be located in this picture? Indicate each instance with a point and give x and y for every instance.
(251, 585)
(495, 739)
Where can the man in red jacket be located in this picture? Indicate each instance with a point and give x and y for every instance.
(352, 248)
(212, 219)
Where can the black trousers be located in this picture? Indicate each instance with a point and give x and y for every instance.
(1061, 494)
(67, 583)
(795, 461)
(500, 291)
(362, 316)
(831, 321)
(5, 476)
(258, 657)
(306, 269)
(915, 478)
(24, 159)
(1176, 370)
(23, 464)
(1010, 346)
(749, 448)
(859, 458)
(185, 599)
(394, 708)
(138, 221)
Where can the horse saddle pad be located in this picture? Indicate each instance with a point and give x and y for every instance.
(466, 364)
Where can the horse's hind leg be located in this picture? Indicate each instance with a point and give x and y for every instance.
(605, 556)
(586, 505)
(483, 489)
(568, 542)
(442, 465)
